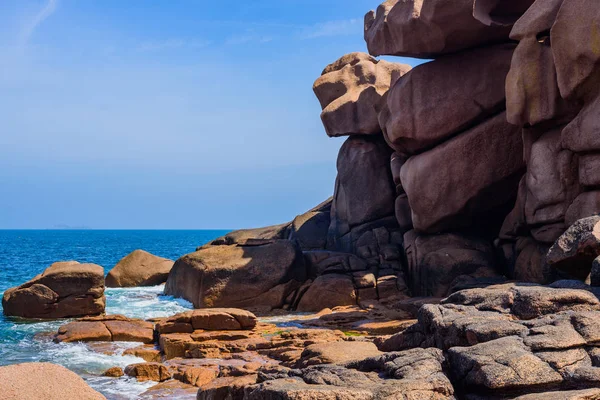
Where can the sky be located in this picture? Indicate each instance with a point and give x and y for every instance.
(167, 114)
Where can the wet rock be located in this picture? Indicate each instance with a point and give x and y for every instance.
(65, 289)
(43, 381)
(114, 372)
(148, 372)
(236, 275)
(148, 352)
(139, 268)
(350, 90)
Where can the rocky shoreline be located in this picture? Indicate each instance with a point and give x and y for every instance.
(459, 256)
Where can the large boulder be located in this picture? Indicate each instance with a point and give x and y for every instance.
(575, 42)
(310, 229)
(364, 188)
(237, 275)
(139, 268)
(485, 163)
(328, 291)
(439, 263)
(43, 381)
(427, 106)
(427, 28)
(65, 289)
(350, 90)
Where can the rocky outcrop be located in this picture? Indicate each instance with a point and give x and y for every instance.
(238, 275)
(43, 381)
(139, 268)
(427, 29)
(212, 319)
(350, 91)
(115, 328)
(65, 289)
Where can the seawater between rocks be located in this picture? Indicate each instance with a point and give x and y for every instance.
(24, 254)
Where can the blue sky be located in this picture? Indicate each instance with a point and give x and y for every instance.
(167, 114)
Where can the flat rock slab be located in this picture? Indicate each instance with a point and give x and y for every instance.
(337, 353)
(112, 328)
(212, 319)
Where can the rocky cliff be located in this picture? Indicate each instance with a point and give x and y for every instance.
(458, 173)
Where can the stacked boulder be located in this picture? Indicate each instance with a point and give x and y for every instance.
(457, 161)
(552, 91)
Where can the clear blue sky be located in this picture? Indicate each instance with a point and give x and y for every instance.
(167, 114)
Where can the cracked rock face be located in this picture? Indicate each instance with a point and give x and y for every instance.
(65, 289)
(350, 91)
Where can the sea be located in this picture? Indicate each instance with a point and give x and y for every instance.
(26, 253)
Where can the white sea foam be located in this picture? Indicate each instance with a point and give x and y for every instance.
(144, 302)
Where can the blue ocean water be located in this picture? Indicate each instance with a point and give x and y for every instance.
(26, 253)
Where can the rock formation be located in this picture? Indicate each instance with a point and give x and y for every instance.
(43, 381)
(139, 268)
(65, 289)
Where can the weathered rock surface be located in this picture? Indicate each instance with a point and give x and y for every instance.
(212, 319)
(149, 371)
(65, 289)
(237, 275)
(439, 263)
(424, 108)
(43, 381)
(427, 29)
(116, 328)
(485, 162)
(139, 268)
(350, 91)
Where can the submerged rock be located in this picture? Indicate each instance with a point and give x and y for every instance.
(65, 289)
(139, 268)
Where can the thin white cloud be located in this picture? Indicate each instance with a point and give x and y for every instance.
(30, 27)
(171, 44)
(332, 28)
(248, 38)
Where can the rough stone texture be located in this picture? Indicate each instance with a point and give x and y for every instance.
(337, 353)
(575, 250)
(139, 268)
(236, 275)
(576, 48)
(212, 319)
(43, 381)
(425, 107)
(328, 290)
(364, 189)
(65, 289)
(437, 263)
(485, 163)
(427, 28)
(500, 12)
(350, 91)
(116, 328)
(274, 232)
(148, 372)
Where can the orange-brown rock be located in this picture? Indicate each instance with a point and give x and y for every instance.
(337, 353)
(236, 275)
(139, 268)
(114, 372)
(117, 328)
(148, 372)
(350, 90)
(217, 319)
(65, 289)
(148, 353)
(43, 381)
